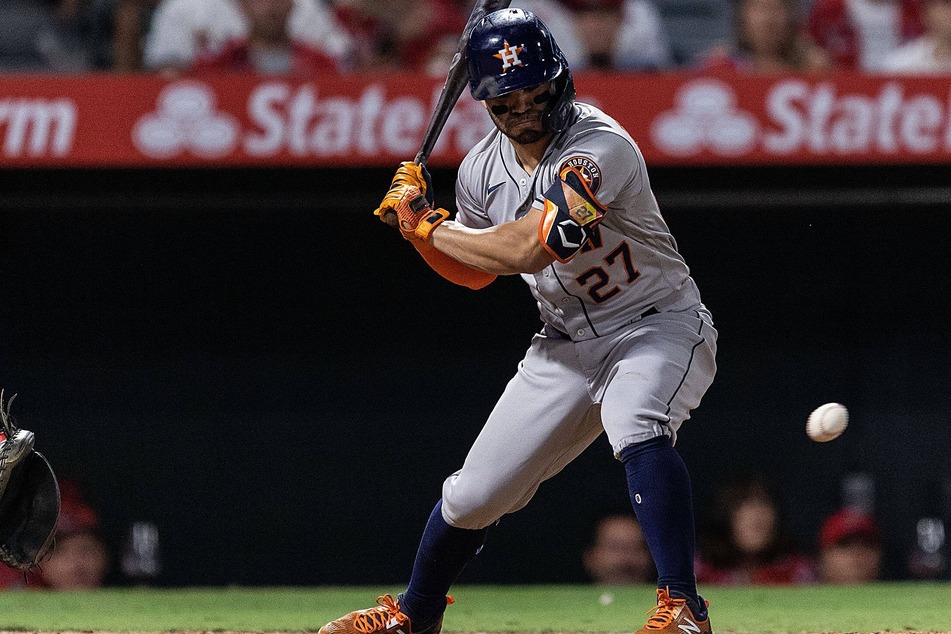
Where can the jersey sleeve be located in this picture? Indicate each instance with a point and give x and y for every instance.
(593, 171)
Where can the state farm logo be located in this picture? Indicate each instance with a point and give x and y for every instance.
(705, 117)
(821, 119)
(798, 117)
(186, 120)
(300, 121)
(37, 127)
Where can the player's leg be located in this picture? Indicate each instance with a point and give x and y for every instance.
(539, 425)
(541, 422)
(666, 365)
(443, 553)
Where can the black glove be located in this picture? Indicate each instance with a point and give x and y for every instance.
(29, 497)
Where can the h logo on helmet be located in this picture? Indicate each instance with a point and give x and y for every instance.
(509, 56)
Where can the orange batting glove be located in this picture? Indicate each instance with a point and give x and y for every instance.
(408, 174)
(417, 218)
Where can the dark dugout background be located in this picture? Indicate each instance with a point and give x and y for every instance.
(254, 363)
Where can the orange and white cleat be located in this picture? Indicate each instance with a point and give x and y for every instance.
(673, 616)
(385, 618)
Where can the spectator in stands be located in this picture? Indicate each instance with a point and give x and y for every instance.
(860, 34)
(130, 23)
(20, 21)
(768, 38)
(400, 35)
(79, 560)
(561, 22)
(265, 36)
(930, 53)
(55, 35)
(616, 552)
(746, 541)
(620, 35)
(850, 548)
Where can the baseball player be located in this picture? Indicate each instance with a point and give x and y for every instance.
(559, 194)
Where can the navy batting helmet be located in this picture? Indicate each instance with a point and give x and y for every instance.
(512, 49)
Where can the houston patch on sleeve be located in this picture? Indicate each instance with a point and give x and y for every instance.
(571, 211)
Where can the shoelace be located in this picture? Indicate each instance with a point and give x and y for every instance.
(376, 619)
(664, 612)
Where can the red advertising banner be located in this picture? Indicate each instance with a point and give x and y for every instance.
(676, 118)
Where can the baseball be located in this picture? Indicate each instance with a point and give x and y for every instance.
(827, 422)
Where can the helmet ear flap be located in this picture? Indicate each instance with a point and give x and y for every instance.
(559, 112)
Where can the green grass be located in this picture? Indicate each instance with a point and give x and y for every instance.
(874, 608)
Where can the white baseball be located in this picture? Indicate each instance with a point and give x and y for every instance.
(827, 422)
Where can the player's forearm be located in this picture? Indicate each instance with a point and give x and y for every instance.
(506, 249)
(453, 270)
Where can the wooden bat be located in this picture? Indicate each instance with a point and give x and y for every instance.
(456, 80)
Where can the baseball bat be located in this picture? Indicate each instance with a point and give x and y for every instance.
(456, 79)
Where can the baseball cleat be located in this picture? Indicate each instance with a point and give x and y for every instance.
(385, 618)
(673, 616)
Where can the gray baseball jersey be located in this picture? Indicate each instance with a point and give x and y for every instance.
(627, 348)
(631, 262)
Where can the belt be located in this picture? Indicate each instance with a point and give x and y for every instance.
(551, 331)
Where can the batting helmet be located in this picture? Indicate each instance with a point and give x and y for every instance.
(512, 49)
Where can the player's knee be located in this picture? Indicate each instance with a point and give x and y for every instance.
(468, 507)
(471, 518)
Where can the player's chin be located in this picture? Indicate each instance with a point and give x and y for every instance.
(522, 130)
(526, 136)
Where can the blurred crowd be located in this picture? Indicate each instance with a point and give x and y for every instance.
(744, 539)
(304, 37)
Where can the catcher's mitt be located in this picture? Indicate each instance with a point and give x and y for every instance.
(29, 497)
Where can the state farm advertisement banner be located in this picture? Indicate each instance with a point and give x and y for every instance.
(677, 119)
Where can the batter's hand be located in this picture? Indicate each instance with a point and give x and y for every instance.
(417, 218)
(408, 174)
